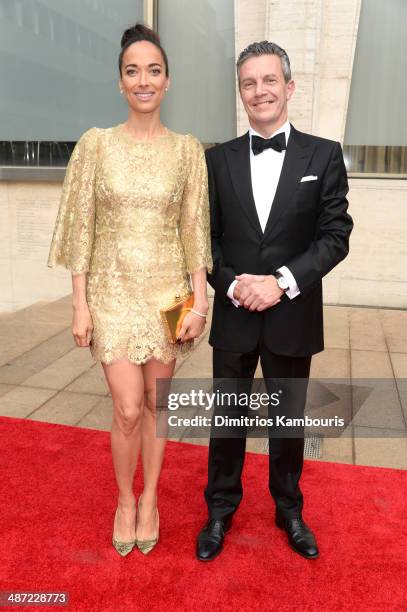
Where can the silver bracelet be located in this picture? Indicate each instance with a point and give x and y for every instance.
(199, 313)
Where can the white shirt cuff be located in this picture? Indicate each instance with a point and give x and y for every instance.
(230, 293)
(293, 290)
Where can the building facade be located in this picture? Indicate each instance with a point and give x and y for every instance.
(347, 60)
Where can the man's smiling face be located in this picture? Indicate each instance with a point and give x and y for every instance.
(265, 92)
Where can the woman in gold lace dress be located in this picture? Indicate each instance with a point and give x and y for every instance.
(133, 227)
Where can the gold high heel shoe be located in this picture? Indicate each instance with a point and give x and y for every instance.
(146, 546)
(123, 548)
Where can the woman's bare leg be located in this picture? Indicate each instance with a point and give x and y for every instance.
(126, 385)
(152, 448)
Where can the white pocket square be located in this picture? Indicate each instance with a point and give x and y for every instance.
(311, 177)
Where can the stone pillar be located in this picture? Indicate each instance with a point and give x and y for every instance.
(296, 26)
(250, 26)
(319, 37)
(339, 28)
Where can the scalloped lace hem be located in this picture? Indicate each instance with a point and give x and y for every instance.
(163, 355)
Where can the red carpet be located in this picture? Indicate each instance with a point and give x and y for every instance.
(57, 504)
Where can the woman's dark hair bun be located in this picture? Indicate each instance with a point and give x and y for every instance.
(139, 32)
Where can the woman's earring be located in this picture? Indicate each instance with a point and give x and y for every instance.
(121, 91)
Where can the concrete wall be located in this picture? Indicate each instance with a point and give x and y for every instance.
(27, 217)
(374, 273)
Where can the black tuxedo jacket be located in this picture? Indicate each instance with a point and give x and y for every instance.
(308, 231)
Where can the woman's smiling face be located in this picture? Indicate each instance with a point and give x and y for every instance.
(143, 77)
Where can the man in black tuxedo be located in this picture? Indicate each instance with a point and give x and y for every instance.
(279, 224)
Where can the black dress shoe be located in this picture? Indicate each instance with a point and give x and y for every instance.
(210, 539)
(300, 536)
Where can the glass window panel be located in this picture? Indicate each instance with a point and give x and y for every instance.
(199, 38)
(59, 70)
(376, 133)
(379, 87)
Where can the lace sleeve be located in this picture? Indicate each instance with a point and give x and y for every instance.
(194, 221)
(72, 240)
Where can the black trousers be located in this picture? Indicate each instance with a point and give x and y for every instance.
(226, 455)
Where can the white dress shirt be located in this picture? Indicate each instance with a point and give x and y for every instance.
(265, 169)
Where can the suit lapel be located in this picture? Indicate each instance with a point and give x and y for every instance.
(238, 160)
(295, 162)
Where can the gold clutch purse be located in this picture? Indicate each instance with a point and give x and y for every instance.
(174, 315)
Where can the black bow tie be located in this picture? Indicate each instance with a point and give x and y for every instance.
(260, 144)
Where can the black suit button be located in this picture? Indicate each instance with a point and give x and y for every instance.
(262, 247)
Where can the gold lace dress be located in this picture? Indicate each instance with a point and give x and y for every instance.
(134, 216)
